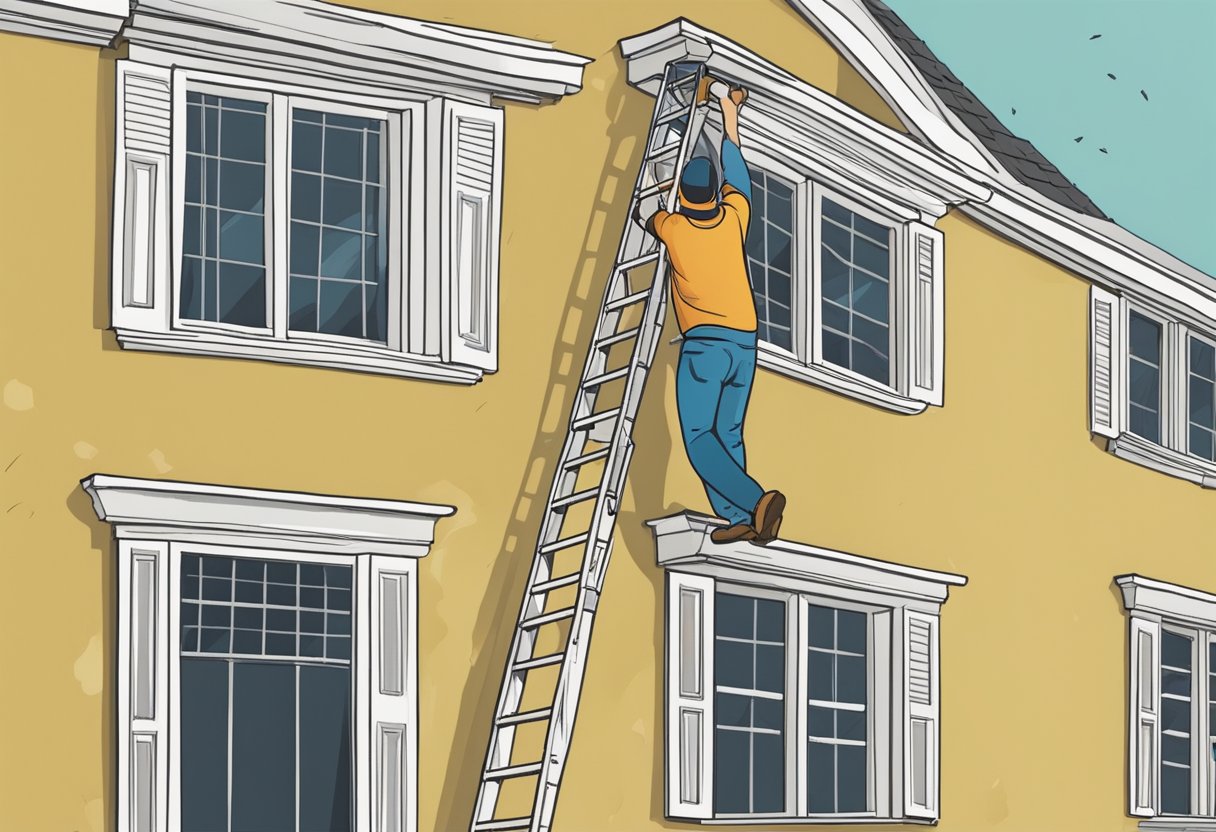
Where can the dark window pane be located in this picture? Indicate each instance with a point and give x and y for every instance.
(821, 722)
(878, 233)
(216, 616)
(851, 778)
(770, 620)
(1203, 359)
(325, 752)
(837, 241)
(343, 205)
(852, 635)
(280, 644)
(314, 598)
(835, 277)
(338, 599)
(870, 361)
(281, 620)
(243, 136)
(337, 647)
(211, 130)
(306, 197)
(242, 299)
(338, 576)
(768, 713)
(343, 152)
(822, 627)
(248, 642)
(312, 574)
(371, 170)
(312, 622)
(733, 710)
(204, 745)
(302, 298)
(338, 624)
(1175, 790)
(851, 679)
(340, 308)
(768, 777)
(242, 186)
(734, 615)
(190, 613)
(778, 206)
(1145, 423)
(778, 250)
(770, 668)
(1175, 749)
(851, 725)
(250, 570)
(312, 646)
(837, 212)
(821, 777)
(1172, 681)
(820, 676)
(1144, 337)
(1201, 443)
(1175, 715)
(194, 123)
(341, 254)
(279, 595)
(217, 567)
(872, 258)
(263, 747)
(249, 592)
(1175, 650)
(213, 640)
(835, 317)
(733, 664)
(1144, 384)
(190, 639)
(732, 767)
(870, 297)
(1201, 402)
(217, 589)
(305, 145)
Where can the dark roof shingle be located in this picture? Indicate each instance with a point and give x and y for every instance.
(1017, 155)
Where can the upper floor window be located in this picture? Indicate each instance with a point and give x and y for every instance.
(269, 205)
(836, 301)
(1153, 386)
(789, 696)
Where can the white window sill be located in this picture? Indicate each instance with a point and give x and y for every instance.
(1180, 824)
(1141, 451)
(356, 357)
(838, 382)
(833, 821)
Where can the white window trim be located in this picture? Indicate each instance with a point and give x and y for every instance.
(696, 565)
(432, 82)
(806, 135)
(155, 521)
(91, 22)
(1151, 606)
(1109, 356)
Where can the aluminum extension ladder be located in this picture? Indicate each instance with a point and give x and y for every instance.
(571, 556)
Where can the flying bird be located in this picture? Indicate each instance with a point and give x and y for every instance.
(1013, 110)
(1144, 94)
(1094, 37)
(1078, 139)
(1103, 149)
(1111, 76)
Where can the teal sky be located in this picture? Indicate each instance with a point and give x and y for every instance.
(1158, 177)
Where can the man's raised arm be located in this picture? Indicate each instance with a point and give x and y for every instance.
(734, 169)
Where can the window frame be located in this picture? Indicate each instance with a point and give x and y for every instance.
(891, 596)
(1110, 385)
(281, 101)
(806, 360)
(155, 522)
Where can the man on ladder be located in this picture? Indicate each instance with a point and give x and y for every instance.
(716, 313)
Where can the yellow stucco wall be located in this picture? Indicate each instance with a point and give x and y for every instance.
(1003, 484)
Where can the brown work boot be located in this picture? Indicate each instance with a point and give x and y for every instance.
(766, 520)
(737, 533)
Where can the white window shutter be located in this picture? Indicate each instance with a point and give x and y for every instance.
(1106, 362)
(1142, 746)
(140, 272)
(393, 691)
(143, 682)
(926, 301)
(922, 715)
(690, 696)
(473, 138)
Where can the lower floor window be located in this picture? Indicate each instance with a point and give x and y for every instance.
(266, 689)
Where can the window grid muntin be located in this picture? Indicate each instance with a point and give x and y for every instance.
(854, 316)
(1198, 377)
(753, 694)
(199, 102)
(342, 642)
(377, 331)
(765, 274)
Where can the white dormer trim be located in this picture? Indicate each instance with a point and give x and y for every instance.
(1149, 598)
(144, 509)
(805, 127)
(386, 53)
(91, 22)
(684, 545)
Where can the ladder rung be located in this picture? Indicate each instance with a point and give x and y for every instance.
(564, 543)
(604, 378)
(576, 497)
(676, 113)
(556, 583)
(538, 715)
(580, 461)
(513, 771)
(664, 151)
(618, 338)
(641, 260)
(682, 82)
(502, 825)
(628, 300)
(594, 419)
(548, 618)
(539, 661)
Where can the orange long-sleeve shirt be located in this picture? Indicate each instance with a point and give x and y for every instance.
(709, 283)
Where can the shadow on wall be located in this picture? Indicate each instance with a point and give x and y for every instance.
(102, 547)
(104, 207)
(492, 630)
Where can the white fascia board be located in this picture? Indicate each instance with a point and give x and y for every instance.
(315, 38)
(817, 127)
(169, 510)
(1095, 249)
(1141, 451)
(683, 543)
(91, 22)
(1172, 601)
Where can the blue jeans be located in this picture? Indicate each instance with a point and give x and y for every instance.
(713, 384)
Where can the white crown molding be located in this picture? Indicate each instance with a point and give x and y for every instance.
(1146, 596)
(91, 22)
(380, 50)
(145, 509)
(806, 126)
(684, 544)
